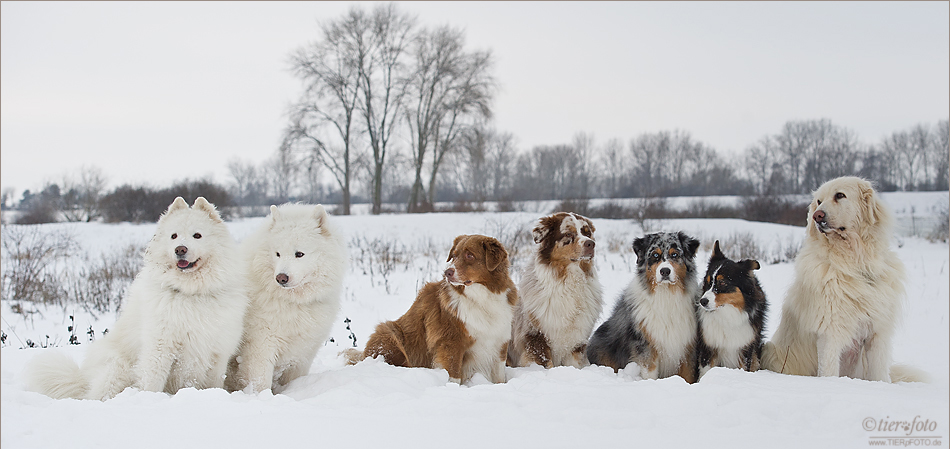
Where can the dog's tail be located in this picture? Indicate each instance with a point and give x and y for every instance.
(353, 356)
(56, 375)
(907, 373)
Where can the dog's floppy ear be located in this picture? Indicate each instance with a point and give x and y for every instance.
(454, 244)
(495, 254)
(748, 265)
(539, 231)
(717, 253)
(202, 204)
(640, 247)
(589, 223)
(690, 245)
(542, 228)
(874, 206)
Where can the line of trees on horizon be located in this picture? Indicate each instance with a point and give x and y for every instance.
(392, 111)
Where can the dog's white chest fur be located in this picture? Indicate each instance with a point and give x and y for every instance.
(487, 317)
(669, 317)
(727, 329)
(565, 309)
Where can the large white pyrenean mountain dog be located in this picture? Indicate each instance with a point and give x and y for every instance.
(180, 321)
(840, 313)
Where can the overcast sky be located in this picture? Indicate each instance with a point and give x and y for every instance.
(161, 91)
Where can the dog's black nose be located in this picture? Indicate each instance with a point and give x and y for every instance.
(450, 272)
(819, 216)
(704, 302)
(664, 272)
(283, 279)
(181, 250)
(589, 244)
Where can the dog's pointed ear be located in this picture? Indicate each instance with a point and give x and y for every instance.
(495, 254)
(455, 244)
(541, 229)
(274, 215)
(717, 252)
(179, 203)
(202, 204)
(749, 265)
(320, 214)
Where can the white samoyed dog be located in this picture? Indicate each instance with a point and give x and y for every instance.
(180, 322)
(295, 263)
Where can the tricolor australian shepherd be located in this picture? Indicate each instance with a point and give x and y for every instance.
(461, 324)
(731, 315)
(560, 296)
(654, 322)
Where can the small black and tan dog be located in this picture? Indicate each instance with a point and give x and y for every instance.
(731, 315)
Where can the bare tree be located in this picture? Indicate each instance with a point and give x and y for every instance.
(379, 45)
(283, 169)
(81, 201)
(940, 155)
(450, 91)
(323, 121)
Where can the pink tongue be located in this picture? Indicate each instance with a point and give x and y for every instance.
(183, 263)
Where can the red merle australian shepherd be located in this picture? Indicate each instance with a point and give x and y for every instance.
(560, 297)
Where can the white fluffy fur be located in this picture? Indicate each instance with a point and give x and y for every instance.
(286, 325)
(177, 328)
(670, 316)
(728, 329)
(566, 310)
(841, 311)
(487, 317)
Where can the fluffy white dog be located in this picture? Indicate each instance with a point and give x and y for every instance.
(180, 323)
(296, 262)
(841, 311)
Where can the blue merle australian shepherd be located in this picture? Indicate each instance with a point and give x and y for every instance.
(654, 322)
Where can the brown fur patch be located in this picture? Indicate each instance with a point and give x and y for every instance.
(733, 298)
(537, 348)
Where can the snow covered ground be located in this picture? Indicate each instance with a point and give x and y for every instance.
(375, 405)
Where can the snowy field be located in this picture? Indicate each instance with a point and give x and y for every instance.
(375, 405)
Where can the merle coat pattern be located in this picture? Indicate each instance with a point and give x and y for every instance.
(654, 321)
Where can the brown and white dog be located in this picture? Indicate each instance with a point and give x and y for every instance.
(560, 295)
(461, 324)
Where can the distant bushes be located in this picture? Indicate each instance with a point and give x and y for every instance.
(142, 204)
(769, 209)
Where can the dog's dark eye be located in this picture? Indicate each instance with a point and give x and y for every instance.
(174, 236)
(840, 196)
(674, 255)
(278, 254)
(197, 235)
(298, 254)
(469, 256)
(819, 202)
